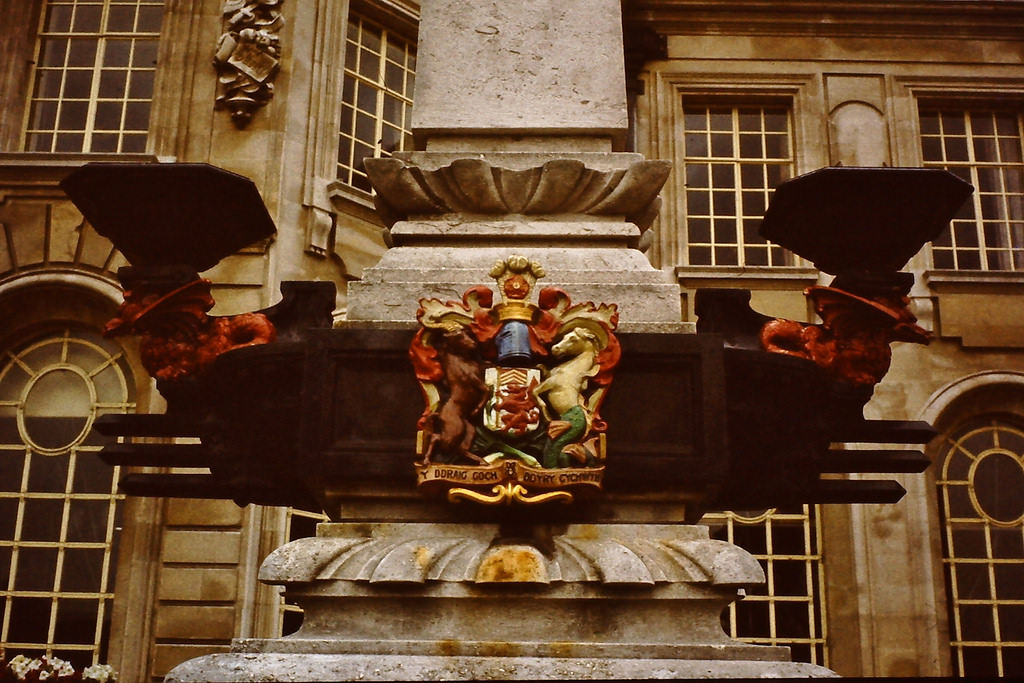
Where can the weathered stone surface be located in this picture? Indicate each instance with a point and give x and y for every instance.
(391, 290)
(556, 186)
(236, 667)
(524, 67)
(463, 601)
(476, 553)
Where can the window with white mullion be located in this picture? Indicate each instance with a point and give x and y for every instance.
(93, 80)
(733, 157)
(986, 149)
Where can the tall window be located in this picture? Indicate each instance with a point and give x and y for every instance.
(94, 73)
(980, 493)
(733, 157)
(59, 506)
(788, 608)
(985, 148)
(376, 100)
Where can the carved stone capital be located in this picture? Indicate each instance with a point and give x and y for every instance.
(555, 187)
(477, 554)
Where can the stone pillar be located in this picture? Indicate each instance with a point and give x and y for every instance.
(520, 110)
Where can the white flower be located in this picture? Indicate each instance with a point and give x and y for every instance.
(20, 666)
(101, 673)
(45, 675)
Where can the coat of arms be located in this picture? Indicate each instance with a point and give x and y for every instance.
(513, 390)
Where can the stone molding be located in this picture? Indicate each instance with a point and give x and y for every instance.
(606, 554)
(475, 186)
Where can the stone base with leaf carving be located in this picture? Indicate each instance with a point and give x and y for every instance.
(443, 602)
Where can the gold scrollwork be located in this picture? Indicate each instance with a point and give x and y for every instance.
(508, 493)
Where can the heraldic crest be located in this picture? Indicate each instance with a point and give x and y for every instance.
(513, 390)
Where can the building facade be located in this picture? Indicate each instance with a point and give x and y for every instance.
(738, 94)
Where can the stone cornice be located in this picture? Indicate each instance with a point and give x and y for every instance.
(964, 19)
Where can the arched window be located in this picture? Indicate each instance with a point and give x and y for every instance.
(981, 500)
(59, 506)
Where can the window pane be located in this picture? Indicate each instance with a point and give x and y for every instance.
(377, 82)
(741, 144)
(984, 149)
(86, 49)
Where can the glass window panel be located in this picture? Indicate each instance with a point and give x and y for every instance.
(104, 142)
(8, 518)
(695, 120)
(931, 149)
(35, 569)
(108, 116)
(700, 256)
(83, 570)
(776, 120)
(144, 53)
(133, 143)
(369, 65)
(929, 122)
(76, 621)
(121, 18)
(150, 17)
(58, 18)
(87, 521)
(1006, 124)
(956, 149)
(970, 540)
(141, 85)
(699, 230)
(1010, 581)
(48, 473)
(953, 124)
(112, 83)
(721, 119)
(696, 175)
(87, 18)
(724, 203)
(751, 147)
(972, 580)
(721, 145)
(44, 115)
(696, 144)
(983, 124)
(48, 83)
(722, 176)
(30, 620)
(976, 623)
(40, 142)
(136, 115)
(42, 520)
(367, 99)
(698, 203)
(725, 256)
(756, 255)
(979, 661)
(725, 231)
(53, 52)
(117, 53)
(82, 52)
(1010, 150)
